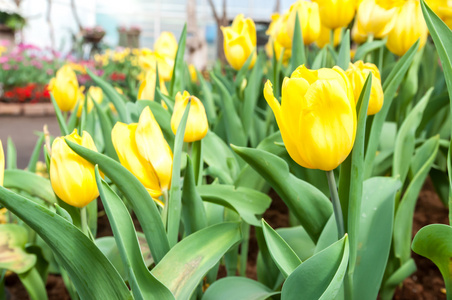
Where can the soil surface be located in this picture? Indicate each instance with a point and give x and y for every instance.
(425, 284)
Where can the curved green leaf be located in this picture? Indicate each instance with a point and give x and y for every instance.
(343, 58)
(106, 126)
(142, 203)
(298, 239)
(178, 69)
(311, 207)
(90, 271)
(321, 276)
(243, 289)
(31, 183)
(13, 238)
(143, 284)
(186, 264)
(298, 52)
(368, 47)
(246, 202)
(284, 257)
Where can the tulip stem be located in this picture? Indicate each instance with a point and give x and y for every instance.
(84, 220)
(336, 203)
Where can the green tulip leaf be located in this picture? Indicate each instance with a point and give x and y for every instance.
(309, 205)
(61, 121)
(375, 235)
(137, 195)
(234, 128)
(176, 83)
(298, 57)
(31, 183)
(13, 257)
(243, 289)
(343, 58)
(396, 279)
(11, 155)
(142, 283)
(244, 70)
(90, 271)
(106, 126)
(390, 87)
(111, 94)
(435, 242)
(420, 166)
(36, 152)
(282, 254)
(367, 47)
(298, 239)
(321, 276)
(207, 99)
(406, 138)
(245, 201)
(183, 268)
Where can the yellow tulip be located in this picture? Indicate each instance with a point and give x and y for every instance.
(192, 72)
(316, 117)
(154, 148)
(325, 36)
(147, 87)
(409, 27)
(375, 19)
(81, 100)
(165, 64)
(308, 15)
(240, 42)
(166, 45)
(197, 124)
(95, 94)
(277, 28)
(443, 8)
(64, 88)
(71, 176)
(2, 164)
(336, 13)
(357, 74)
(358, 35)
(124, 140)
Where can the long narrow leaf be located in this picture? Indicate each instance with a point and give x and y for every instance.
(178, 70)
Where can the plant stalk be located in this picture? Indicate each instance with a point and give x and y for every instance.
(336, 204)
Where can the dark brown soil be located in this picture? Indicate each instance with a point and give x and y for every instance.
(425, 284)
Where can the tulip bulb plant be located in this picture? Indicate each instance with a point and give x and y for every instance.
(192, 156)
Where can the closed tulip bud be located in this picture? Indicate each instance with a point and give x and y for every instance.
(376, 17)
(64, 88)
(316, 117)
(2, 164)
(147, 87)
(325, 36)
(197, 124)
(357, 74)
(409, 27)
(308, 15)
(277, 32)
(150, 60)
(124, 140)
(336, 13)
(358, 35)
(72, 177)
(166, 45)
(192, 72)
(154, 148)
(95, 94)
(240, 42)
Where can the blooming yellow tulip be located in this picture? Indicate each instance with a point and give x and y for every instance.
(64, 88)
(197, 124)
(95, 94)
(166, 45)
(409, 27)
(358, 35)
(71, 176)
(277, 28)
(316, 117)
(2, 164)
(124, 140)
(147, 86)
(154, 148)
(357, 74)
(150, 60)
(308, 15)
(325, 36)
(375, 18)
(240, 42)
(336, 13)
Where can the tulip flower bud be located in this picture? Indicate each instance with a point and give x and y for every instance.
(192, 72)
(95, 94)
(357, 74)
(124, 140)
(240, 42)
(376, 17)
(409, 27)
(358, 35)
(71, 176)
(64, 88)
(154, 148)
(336, 13)
(150, 60)
(2, 164)
(147, 87)
(166, 45)
(316, 117)
(308, 15)
(325, 36)
(279, 41)
(197, 124)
